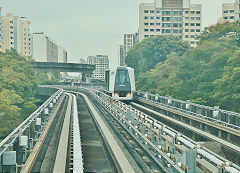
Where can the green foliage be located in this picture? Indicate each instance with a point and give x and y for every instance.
(218, 31)
(208, 74)
(149, 52)
(18, 83)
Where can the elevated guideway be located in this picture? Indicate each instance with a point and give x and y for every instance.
(84, 130)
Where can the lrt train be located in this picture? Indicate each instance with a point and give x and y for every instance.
(120, 83)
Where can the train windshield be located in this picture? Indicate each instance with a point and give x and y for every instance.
(122, 77)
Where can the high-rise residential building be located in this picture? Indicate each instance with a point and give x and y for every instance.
(1, 29)
(237, 8)
(130, 40)
(44, 49)
(121, 55)
(16, 34)
(175, 17)
(228, 12)
(62, 54)
(101, 63)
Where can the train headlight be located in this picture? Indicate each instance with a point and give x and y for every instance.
(115, 94)
(128, 94)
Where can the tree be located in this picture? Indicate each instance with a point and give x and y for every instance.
(151, 51)
(18, 84)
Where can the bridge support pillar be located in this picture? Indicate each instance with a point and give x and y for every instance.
(220, 134)
(49, 74)
(88, 77)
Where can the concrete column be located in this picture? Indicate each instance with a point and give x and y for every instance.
(84, 77)
(49, 74)
(219, 133)
(88, 77)
(191, 161)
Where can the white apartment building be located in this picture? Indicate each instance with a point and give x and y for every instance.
(62, 54)
(130, 40)
(16, 34)
(101, 63)
(176, 17)
(228, 12)
(1, 30)
(237, 9)
(44, 49)
(121, 55)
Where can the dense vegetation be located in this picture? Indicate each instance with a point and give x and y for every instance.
(208, 74)
(18, 84)
(151, 51)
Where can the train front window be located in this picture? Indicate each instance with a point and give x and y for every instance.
(122, 77)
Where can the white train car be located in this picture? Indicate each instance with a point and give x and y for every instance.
(120, 83)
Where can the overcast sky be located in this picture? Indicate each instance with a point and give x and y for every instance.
(90, 27)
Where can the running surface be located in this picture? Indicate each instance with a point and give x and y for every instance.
(94, 155)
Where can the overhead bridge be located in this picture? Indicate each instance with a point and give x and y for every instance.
(62, 67)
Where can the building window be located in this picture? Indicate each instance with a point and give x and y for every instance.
(145, 30)
(192, 36)
(186, 18)
(192, 12)
(177, 19)
(186, 36)
(166, 25)
(145, 36)
(177, 25)
(192, 30)
(166, 12)
(152, 18)
(186, 24)
(177, 13)
(231, 17)
(198, 30)
(231, 11)
(152, 11)
(197, 18)
(186, 30)
(168, 31)
(145, 23)
(158, 18)
(145, 11)
(158, 23)
(166, 18)
(198, 12)
(197, 24)
(225, 18)
(175, 31)
(192, 24)
(192, 18)
(158, 11)
(225, 11)
(186, 12)
(145, 17)
(152, 30)
(192, 42)
(158, 30)
(151, 24)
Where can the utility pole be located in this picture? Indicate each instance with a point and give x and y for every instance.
(155, 17)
